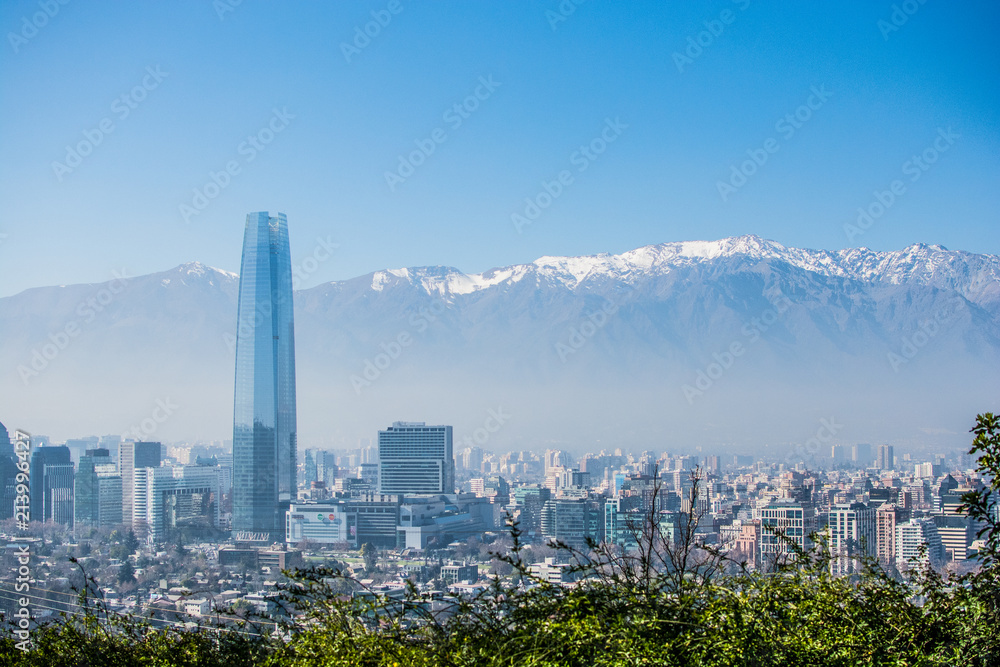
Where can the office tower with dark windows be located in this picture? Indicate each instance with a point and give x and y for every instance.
(132, 455)
(416, 458)
(51, 485)
(6, 446)
(97, 497)
(886, 457)
(174, 497)
(264, 430)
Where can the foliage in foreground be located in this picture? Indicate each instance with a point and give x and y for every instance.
(666, 605)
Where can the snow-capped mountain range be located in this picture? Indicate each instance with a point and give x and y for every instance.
(740, 343)
(977, 276)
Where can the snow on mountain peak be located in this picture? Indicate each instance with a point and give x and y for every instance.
(199, 270)
(923, 263)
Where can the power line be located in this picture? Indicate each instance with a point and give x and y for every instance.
(95, 597)
(40, 603)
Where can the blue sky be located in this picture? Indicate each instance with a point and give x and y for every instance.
(199, 80)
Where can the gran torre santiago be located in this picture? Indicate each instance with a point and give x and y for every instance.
(264, 431)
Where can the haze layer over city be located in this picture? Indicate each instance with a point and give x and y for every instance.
(392, 287)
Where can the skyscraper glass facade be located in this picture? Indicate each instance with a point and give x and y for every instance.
(51, 485)
(264, 431)
(8, 475)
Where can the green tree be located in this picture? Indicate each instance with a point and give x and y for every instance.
(370, 556)
(981, 504)
(126, 573)
(130, 542)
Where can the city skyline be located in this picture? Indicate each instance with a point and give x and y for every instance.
(550, 320)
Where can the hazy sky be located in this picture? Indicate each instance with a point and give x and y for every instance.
(668, 96)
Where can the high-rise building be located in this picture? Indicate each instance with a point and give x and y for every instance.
(886, 457)
(887, 518)
(472, 459)
(853, 533)
(957, 534)
(264, 424)
(326, 467)
(58, 501)
(132, 456)
(914, 534)
(571, 521)
(416, 458)
(97, 497)
(8, 475)
(783, 522)
(51, 485)
(169, 497)
(85, 486)
(6, 446)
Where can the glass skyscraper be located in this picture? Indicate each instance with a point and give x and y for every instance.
(8, 475)
(264, 432)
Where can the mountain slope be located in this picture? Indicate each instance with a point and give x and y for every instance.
(739, 343)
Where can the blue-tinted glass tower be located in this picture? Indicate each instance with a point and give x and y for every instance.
(8, 475)
(264, 432)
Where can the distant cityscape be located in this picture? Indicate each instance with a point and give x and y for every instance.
(240, 511)
(406, 494)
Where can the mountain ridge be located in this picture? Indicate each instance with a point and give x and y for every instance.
(603, 345)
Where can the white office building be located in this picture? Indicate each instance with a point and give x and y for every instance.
(853, 534)
(321, 523)
(416, 459)
(783, 523)
(914, 534)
